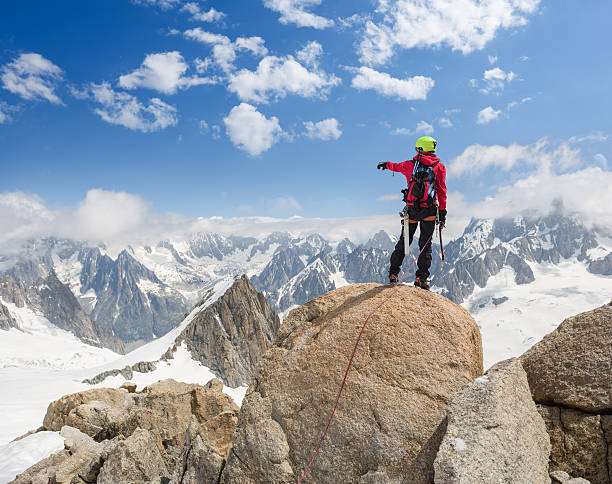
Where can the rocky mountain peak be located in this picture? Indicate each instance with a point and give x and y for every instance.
(232, 334)
(417, 350)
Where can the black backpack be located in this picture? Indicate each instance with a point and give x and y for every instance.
(421, 190)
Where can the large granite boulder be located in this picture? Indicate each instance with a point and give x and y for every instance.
(495, 433)
(572, 366)
(417, 350)
(570, 376)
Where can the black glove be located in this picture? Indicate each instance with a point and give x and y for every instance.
(442, 218)
(382, 165)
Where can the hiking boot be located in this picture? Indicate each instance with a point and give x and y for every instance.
(421, 282)
(392, 279)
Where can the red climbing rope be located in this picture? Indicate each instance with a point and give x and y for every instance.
(389, 294)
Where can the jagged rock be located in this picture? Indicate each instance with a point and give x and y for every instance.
(602, 266)
(572, 366)
(230, 335)
(494, 432)
(579, 443)
(65, 466)
(570, 376)
(129, 386)
(6, 320)
(91, 411)
(417, 350)
(559, 477)
(198, 463)
(126, 424)
(133, 461)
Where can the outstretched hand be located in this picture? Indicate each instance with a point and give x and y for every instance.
(382, 165)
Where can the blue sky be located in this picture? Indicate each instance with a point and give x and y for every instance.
(284, 107)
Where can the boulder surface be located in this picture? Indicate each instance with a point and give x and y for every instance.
(572, 366)
(417, 350)
(495, 433)
(570, 376)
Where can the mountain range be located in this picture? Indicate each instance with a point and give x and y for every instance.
(139, 293)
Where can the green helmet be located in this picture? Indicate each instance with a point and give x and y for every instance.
(426, 143)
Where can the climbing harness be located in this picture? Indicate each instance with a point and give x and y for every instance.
(389, 294)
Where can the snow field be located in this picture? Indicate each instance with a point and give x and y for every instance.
(18, 456)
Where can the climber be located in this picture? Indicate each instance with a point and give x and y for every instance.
(425, 198)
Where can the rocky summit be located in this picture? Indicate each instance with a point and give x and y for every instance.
(570, 376)
(416, 352)
(170, 432)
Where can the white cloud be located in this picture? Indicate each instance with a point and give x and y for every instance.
(310, 54)
(597, 137)
(32, 77)
(445, 123)
(513, 104)
(256, 45)
(488, 114)
(326, 130)
(409, 89)
(492, 59)
(197, 15)
(496, 78)
(223, 49)
(250, 130)
(163, 4)
(276, 77)
(4, 113)
(601, 159)
(476, 158)
(524, 58)
(422, 127)
(162, 72)
(293, 11)
(466, 26)
(126, 110)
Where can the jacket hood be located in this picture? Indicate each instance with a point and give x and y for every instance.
(426, 159)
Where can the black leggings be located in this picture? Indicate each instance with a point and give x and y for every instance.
(424, 261)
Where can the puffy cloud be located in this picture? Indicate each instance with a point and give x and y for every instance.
(293, 11)
(466, 25)
(496, 78)
(492, 59)
(197, 15)
(326, 130)
(256, 45)
(310, 54)
(410, 89)
(162, 72)
(601, 160)
(276, 77)
(250, 130)
(445, 123)
(476, 158)
(223, 49)
(126, 110)
(488, 114)
(32, 77)
(422, 127)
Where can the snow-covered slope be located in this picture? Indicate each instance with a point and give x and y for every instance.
(42, 363)
(513, 317)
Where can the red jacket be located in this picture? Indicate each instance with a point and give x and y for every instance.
(427, 159)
